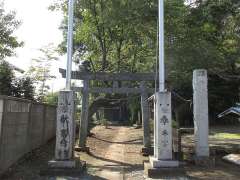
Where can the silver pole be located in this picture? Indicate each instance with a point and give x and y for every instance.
(69, 44)
(161, 46)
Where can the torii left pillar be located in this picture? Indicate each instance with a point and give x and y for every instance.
(145, 120)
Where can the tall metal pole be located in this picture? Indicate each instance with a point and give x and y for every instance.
(161, 46)
(163, 157)
(69, 44)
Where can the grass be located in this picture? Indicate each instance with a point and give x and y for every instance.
(227, 136)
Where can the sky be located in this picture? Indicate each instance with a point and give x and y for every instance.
(39, 27)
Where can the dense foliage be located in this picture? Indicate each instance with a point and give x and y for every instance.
(8, 24)
(121, 35)
(12, 86)
(37, 76)
(51, 98)
(6, 79)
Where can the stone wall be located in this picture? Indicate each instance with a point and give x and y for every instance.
(24, 126)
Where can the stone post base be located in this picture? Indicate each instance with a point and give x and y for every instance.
(163, 173)
(62, 164)
(155, 163)
(71, 168)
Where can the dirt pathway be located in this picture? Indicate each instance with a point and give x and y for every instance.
(115, 153)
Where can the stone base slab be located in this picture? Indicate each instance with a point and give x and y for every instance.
(64, 171)
(233, 158)
(82, 149)
(162, 173)
(62, 164)
(155, 163)
(146, 151)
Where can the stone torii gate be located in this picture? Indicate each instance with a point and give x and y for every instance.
(115, 78)
(64, 156)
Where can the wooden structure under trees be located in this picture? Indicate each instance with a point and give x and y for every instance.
(115, 78)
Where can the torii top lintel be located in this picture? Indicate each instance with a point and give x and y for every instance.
(103, 76)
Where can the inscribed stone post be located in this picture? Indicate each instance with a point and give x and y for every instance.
(163, 127)
(200, 110)
(65, 126)
(163, 132)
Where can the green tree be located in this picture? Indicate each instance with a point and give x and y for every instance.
(207, 37)
(28, 88)
(12, 86)
(9, 84)
(8, 24)
(40, 70)
(51, 98)
(114, 34)
(24, 88)
(6, 79)
(120, 35)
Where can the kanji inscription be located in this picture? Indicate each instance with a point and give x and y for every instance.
(65, 132)
(164, 120)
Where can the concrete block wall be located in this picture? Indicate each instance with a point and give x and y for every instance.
(24, 126)
(37, 125)
(50, 123)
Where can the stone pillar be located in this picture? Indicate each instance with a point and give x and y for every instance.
(145, 117)
(84, 116)
(164, 127)
(163, 132)
(64, 154)
(1, 121)
(200, 110)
